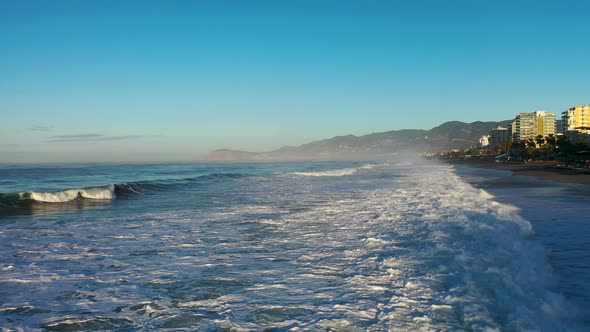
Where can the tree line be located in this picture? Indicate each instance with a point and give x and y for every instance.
(548, 147)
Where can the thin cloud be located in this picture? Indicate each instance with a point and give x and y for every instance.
(120, 138)
(90, 138)
(77, 136)
(9, 145)
(39, 128)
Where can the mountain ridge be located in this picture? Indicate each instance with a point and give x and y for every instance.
(449, 135)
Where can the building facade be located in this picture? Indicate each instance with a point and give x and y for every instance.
(577, 119)
(530, 125)
(498, 136)
(545, 123)
(560, 126)
(523, 126)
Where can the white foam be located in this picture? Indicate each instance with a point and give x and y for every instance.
(485, 195)
(55, 197)
(104, 192)
(336, 172)
(486, 239)
(100, 193)
(426, 252)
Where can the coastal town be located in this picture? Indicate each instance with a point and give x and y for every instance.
(534, 136)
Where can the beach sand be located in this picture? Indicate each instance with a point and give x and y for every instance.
(544, 170)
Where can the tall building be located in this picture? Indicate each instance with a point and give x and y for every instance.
(530, 125)
(577, 119)
(498, 136)
(524, 126)
(560, 126)
(545, 123)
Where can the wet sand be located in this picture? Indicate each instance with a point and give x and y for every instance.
(544, 170)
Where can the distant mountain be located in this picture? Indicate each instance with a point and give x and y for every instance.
(449, 135)
(457, 134)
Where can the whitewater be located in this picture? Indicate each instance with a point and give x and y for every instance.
(336, 246)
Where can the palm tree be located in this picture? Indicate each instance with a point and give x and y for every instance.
(548, 148)
(581, 145)
(540, 140)
(565, 149)
(530, 143)
(551, 140)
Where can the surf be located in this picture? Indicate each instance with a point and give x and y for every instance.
(106, 192)
(335, 172)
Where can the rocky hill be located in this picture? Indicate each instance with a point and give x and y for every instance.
(449, 135)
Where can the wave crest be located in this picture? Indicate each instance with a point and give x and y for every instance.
(336, 172)
(102, 193)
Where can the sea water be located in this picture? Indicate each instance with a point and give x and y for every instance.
(325, 246)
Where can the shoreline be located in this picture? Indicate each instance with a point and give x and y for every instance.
(543, 170)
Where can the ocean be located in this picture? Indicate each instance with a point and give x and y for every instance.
(315, 246)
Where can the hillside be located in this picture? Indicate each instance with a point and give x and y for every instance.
(449, 135)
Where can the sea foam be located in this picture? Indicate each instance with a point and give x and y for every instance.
(102, 193)
(335, 172)
(417, 251)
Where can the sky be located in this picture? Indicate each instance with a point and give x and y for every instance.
(93, 81)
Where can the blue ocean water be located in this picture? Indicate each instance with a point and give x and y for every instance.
(337, 246)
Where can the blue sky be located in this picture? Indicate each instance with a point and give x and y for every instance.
(172, 80)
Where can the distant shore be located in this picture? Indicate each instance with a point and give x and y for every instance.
(544, 170)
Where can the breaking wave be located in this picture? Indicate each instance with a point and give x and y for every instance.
(336, 172)
(417, 250)
(104, 192)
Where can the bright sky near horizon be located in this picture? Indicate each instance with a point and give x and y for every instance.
(172, 80)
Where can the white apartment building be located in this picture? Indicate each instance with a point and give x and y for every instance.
(530, 125)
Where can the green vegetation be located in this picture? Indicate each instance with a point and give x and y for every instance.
(549, 147)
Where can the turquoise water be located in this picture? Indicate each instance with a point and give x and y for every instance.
(287, 246)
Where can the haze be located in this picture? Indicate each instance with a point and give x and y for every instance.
(101, 81)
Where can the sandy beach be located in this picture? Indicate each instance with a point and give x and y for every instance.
(544, 170)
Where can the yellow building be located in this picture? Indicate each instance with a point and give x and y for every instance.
(577, 119)
(530, 125)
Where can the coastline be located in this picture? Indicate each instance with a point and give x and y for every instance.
(543, 170)
(556, 206)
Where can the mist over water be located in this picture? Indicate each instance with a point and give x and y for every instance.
(291, 246)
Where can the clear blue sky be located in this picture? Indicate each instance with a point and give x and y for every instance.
(171, 80)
